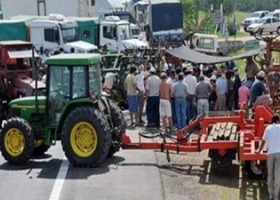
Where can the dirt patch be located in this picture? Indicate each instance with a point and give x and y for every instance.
(190, 176)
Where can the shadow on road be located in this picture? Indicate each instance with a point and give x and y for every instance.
(232, 177)
(50, 168)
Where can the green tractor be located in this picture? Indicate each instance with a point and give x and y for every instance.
(73, 110)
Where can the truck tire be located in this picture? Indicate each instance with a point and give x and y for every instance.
(252, 170)
(119, 124)
(85, 137)
(40, 148)
(17, 141)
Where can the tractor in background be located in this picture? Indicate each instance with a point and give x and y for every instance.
(16, 73)
(89, 125)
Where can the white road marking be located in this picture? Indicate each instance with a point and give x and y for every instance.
(57, 188)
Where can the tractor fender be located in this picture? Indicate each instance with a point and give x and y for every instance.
(71, 105)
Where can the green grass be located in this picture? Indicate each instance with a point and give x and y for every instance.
(239, 16)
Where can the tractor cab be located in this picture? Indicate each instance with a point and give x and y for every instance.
(77, 78)
(73, 109)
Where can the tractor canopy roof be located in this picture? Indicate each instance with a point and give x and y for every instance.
(74, 59)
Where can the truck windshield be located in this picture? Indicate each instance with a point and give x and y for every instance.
(125, 31)
(69, 35)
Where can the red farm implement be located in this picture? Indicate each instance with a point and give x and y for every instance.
(226, 137)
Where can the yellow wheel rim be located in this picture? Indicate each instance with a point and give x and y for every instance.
(83, 139)
(14, 142)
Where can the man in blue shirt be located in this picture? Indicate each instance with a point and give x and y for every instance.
(258, 88)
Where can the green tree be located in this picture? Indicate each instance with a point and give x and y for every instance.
(191, 15)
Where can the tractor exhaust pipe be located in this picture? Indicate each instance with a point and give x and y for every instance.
(35, 75)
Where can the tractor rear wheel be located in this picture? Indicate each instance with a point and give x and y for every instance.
(119, 124)
(40, 148)
(17, 141)
(253, 170)
(85, 137)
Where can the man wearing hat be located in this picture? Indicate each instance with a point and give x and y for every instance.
(221, 91)
(152, 94)
(191, 82)
(258, 88)
(172, 80)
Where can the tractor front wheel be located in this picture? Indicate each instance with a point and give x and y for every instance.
(17, 141)
(85, 137)
(119, 124)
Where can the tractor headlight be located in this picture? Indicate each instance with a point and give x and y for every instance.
(101, 105)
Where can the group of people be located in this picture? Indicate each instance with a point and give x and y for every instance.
(178, 95)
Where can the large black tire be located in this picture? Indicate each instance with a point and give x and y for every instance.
(253, 171)
(119, 124)
(17, 141)
(85, 137)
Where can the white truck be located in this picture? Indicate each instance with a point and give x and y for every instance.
(69, 8)
(52, 32)
(116, 34)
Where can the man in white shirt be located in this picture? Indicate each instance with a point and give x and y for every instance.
(152, 94)
(272, 137)
(172, 80)
(140, 95)
(191, 82)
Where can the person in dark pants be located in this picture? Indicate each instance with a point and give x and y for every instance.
(180, 92)
(152, 94)
(236, 86)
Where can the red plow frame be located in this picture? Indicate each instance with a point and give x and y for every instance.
(244, 139)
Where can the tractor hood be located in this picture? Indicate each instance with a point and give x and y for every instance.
(28, 102)
(134, 43)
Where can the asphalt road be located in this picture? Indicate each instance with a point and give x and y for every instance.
(128, 175)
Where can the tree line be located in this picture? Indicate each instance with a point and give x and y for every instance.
(241, 5)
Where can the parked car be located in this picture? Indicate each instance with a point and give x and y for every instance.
(275, 13)
(253, 18)
(266, 24)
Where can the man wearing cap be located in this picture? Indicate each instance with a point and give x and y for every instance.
(180, 92)
(152, 94)
(201, 94)
(221, 91)
(191, 82)
(140, 95)
(251, 70)
(258, 88)
(172, 80)
(271, 136)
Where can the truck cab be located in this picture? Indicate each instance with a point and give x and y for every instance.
(203, 43)
(57, 32)
(206, 43)
(108, 31)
